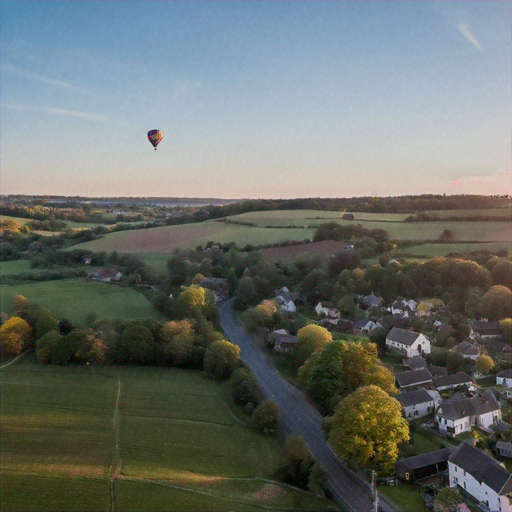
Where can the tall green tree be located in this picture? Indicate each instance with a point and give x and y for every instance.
(178, 339)
(367, 429)
(266, 417)
(136, 345)
(221, 359)
(484, 364)
(497, 303)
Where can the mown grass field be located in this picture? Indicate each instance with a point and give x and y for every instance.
(179, 445)
(75, 298)
(432, 250)
(11, 268)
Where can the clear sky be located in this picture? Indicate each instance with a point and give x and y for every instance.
(256, 98)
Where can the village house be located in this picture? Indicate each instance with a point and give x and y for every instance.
(401, 308)
(412, 469)
(437, 371)
(504, 449)
(218, 286)
(468, 350)
(408, 343)
(286, 301)
(365, 326)
(482, 477)
(412, 380)
(328, 309)
(285, 343)
(456, 380)
(106, 275)
(456, 416)
(371, 301)
(416, 404)
(484, 329)
(415, 362)
(504, 378)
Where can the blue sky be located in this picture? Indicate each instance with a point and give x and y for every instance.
(256, 98)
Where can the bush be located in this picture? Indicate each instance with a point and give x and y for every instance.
(266, 417)
(15, 334)
(246, 392)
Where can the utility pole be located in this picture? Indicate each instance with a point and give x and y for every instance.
(375, 494)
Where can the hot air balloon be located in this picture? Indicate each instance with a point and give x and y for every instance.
(155, 136)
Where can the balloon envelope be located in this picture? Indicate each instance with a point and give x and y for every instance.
(155, 136)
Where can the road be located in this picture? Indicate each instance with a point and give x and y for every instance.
(298, 416)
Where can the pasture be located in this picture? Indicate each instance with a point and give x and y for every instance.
(432, 249)
(75, 298)
(11, 268)
(171, 434)
(286, 254)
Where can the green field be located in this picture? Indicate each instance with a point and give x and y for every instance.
(75, 298)
(432, 250)
(170, 438)
(11, 268)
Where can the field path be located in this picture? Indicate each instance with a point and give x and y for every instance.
(298, 416)
(116, 459)
(16, 358)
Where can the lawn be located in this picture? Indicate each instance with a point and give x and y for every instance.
(75, 298)
(407, 497)
(432, 249)
(179, 445)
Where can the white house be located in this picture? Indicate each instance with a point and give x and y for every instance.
(456, 416)
(412, 380)
(481, 476)
(416, 404)
(286, 301)
(468, 350)
(327, 309)
(456, 380)
(485, 329)
(366, 326)
(504, 378)
(409, 343)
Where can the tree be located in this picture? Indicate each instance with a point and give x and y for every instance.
(15, 334)
(246, 392)
(317, 482)
(194, 301)
(266, 417)
(367, 428)
(447, 500)
(45, 323)
(378, 336)
(46, 345)
(20, 304)
(136, 345)
(497, 303)
(65, 326)
(178, 338)
(309, 339)
(484, 364)
(506, 328)
(326, 379)
(358, 360)
(501, 273)
(221, 358)
(296, 462)
(382, 377)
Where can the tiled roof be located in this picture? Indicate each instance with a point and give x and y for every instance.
(452, 380)
(482, 468)
(412, 377)
(402, 336)
(426, 459)
(475, 406)
(414, 397)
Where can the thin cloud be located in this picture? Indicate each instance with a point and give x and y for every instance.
(466, 32)
(55, 111)
(8, 68)
(481, 184)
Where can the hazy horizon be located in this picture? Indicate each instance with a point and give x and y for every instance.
(256, 99)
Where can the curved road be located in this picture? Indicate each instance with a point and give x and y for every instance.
(298, 416)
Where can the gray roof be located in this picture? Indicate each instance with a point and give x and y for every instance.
(502, 445)
(413, 377)
(402, 336)
(437, 371)
(505, 374)
(468, 348)
(414, 397)
(426, 459)
(287, 296)
(475, 406)
(486, 328)
(372, 299)
(482, 467)
(327, 304)
(452, 380)
(416, 362)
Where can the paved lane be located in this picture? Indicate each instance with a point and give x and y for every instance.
(298, 416)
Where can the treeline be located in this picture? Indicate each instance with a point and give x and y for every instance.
(425, 217)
